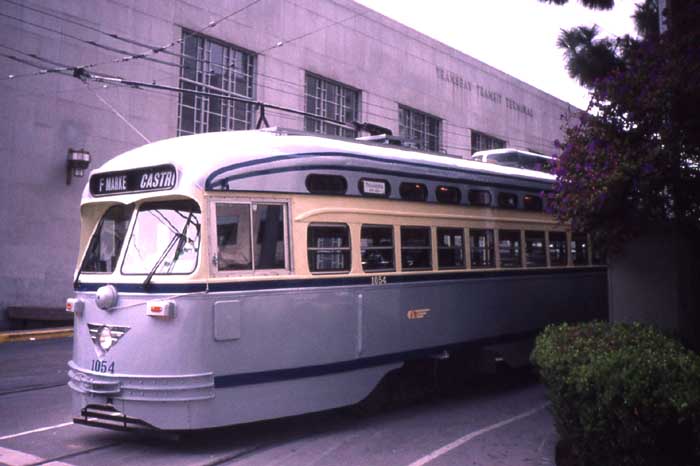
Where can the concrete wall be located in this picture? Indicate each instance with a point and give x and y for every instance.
(45, 115)
(656, 280)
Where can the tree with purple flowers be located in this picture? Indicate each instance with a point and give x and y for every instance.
(633, 159)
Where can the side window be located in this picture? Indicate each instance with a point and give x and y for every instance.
(250, 236)
(557, 249)
(326, 184)
(328, 247)
(579, 249)
(268, 230)
(482, 250)
(413, 191)
(416, 250)
(507, 200)
(448, 195)
(533, 203)
(233, 236)
(509, 248)
(377, 247)
(450, 248)
(534, 249)
(479, 197)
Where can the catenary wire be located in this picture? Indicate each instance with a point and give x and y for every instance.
(86, 26)
(146, 55)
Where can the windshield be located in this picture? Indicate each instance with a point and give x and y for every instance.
(164, 240)
(106, 244)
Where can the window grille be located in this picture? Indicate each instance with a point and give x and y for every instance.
(419, 127)
(332, 100)
(216, 68)
(481, 141)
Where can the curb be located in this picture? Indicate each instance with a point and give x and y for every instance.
(38, 334)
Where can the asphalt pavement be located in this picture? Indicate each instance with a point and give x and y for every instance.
(497, 418)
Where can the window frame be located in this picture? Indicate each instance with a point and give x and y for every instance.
(550, 248)
(408, 127)
(391, 248)
(308, 249)
(527, 251)
(253, 271)
(429, 248)
(472, 250)
(201, 105)
(489, 142)
(322, 126)
(438, 247)
(520, 248)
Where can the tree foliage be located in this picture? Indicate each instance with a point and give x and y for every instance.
(634, 157)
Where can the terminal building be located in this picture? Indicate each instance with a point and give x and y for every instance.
(88, 80)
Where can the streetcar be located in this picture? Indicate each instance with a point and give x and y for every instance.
(515, 158)
(232, 277)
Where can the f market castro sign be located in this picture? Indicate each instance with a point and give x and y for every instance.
(158, 178)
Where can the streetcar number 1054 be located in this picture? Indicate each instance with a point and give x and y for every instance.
(102, 366)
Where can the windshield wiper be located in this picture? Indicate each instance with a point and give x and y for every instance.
(179, 238)
(176, 238)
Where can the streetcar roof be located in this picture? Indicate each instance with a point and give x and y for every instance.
(199, 159)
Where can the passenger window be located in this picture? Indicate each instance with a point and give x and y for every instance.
(416, 250)
(558, 255)
(534, 249)
(509, 248)
(326, 184)
(448, 195)
(507, 200)
(233, 237)
(328, 247)
(377, 247)
(268, 222)
(597, 256)
(450, 248)
(579, 249)
(479, 197)
(413, 191)
(482, 248)
(531, 202)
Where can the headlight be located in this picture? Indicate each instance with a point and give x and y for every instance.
(106, 340)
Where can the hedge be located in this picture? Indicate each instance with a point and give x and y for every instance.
(622, 394)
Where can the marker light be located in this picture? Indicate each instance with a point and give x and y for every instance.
(165, 309)
(75, 305)
(105, 339)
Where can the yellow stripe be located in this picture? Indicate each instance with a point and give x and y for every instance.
(39, 334)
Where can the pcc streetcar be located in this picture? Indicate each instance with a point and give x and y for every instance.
(232, 277)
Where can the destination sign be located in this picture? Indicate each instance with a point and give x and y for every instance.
(158, 178)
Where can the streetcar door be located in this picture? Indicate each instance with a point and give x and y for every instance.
(249, 237)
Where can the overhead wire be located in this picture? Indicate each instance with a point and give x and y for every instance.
(86, 26)
(131, 57)
(85, 41)
(301, 36)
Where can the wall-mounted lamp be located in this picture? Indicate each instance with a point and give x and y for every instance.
(78, 161)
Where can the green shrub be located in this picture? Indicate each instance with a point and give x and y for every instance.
(622, 394)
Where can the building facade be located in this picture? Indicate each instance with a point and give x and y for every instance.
(340, 68)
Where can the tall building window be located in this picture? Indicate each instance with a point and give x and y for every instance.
(421, 128)
(216, 68)
(332, 100)
(481, 141)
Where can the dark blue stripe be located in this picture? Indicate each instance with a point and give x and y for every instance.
(256, 285)
(280, 375)
(209, 185)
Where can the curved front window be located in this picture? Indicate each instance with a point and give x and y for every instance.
(106, 244)
(165, 239)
